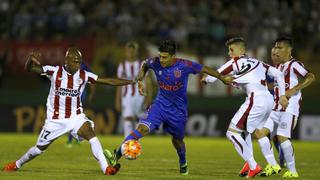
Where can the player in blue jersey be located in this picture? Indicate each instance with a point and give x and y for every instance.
(170, 105)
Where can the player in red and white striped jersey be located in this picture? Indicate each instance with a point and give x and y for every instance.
(128, 99)
(250, 75)
(64, 108)
(282, 120)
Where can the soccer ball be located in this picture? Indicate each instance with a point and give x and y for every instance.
(131, 149)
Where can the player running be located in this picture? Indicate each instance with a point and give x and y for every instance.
(250, 75)
(128, 100)
(64, 108)
(283, 120)
(170, 105)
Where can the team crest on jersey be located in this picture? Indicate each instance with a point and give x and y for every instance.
(160, 72)
(283, 125)
(177, 73)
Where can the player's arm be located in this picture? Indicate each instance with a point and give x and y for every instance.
(114, 81)
(308, 79)
(148, 83)
(33, 63)
(225, 79)
(224, 70)
(279, 77)
(142, 73)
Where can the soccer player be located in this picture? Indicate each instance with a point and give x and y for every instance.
(64, 107)
(270, 81)
(282, 120)
(250, 75)
(84, 67)
(128, 100)
(170, 105)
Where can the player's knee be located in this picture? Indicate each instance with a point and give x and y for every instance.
(130, 118)
(42, 148)
(260, 133)
(281, 139)
(143, 129)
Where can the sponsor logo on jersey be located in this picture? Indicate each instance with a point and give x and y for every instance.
(167, 87)
(67, 92)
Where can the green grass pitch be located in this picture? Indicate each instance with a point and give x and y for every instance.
(208, 158)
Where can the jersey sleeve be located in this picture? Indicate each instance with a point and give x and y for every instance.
(193, 67)
(299, 69)
(225, 69)
(150, 62)
(91, 77)
(49, 70)
(277, 75)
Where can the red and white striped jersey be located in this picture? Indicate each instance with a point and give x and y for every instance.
(250, 74)
(129, 70)
(291, 70)
(64, 99)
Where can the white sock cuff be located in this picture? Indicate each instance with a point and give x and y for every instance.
(263, 140)
(93, 140)
(285, 144)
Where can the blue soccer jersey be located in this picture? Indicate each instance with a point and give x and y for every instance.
(173, 81)
(170, 106)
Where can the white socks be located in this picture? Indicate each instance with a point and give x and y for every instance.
(289, 155)
(29, 155)
(267, 150)
(98, 153)
(127, 127)
(242, 148)
(248, 139)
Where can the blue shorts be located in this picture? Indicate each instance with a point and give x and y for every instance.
(173, 119)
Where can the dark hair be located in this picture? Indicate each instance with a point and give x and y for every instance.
(168, 46)
(234, 40)
(286, 39)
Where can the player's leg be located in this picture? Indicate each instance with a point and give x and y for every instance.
(149, 121)
(234, 135)
(286, 125)
(136, 134)
(46, 137)
(180, 147)
(128, 115)
(86, 131)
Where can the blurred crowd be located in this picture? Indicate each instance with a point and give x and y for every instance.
(198, 25)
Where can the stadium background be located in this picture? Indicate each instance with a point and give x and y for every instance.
(101, 28)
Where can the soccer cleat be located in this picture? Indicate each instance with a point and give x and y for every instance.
(112, 170)
(10, 167)
(270, 170)
(254, 172)
(111, 157)
(244, 170)
(290, 174)
(184, 170)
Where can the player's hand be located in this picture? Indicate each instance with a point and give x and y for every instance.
(290, 92)
(32, 58)
(227, 79)
(203, 79)
(141, 88)
(283, 101)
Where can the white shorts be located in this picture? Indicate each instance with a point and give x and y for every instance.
(253, 112)
(132, 106)
(281, 123)
(54, 128)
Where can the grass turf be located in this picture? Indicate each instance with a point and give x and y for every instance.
(208, 158)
